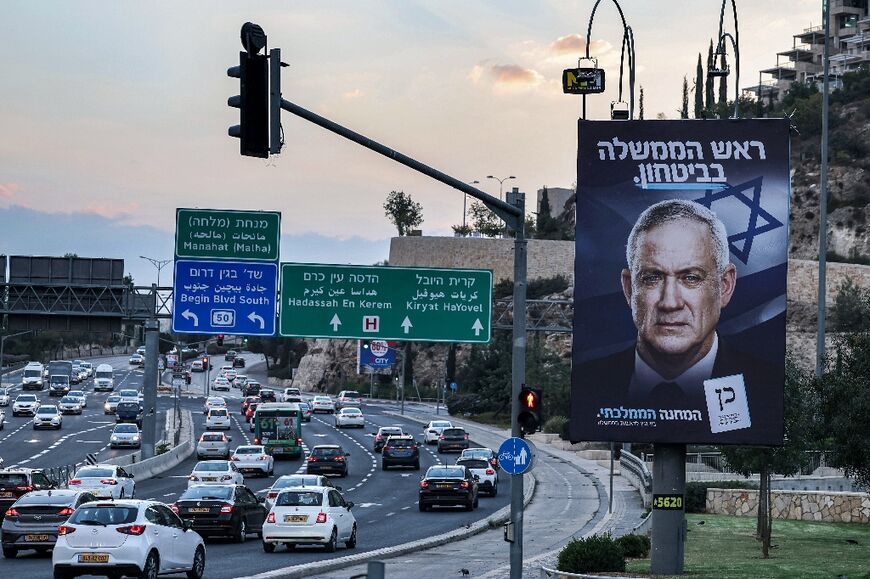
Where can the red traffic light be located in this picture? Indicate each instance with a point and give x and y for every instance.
(529, 415)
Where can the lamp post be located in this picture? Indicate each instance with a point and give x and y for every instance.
(500, 181)
(464, 201)
(3, 345)
(159, 264)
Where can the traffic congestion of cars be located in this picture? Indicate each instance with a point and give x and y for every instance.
(93, 522)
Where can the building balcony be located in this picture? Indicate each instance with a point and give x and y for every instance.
(812, 35)
(784, 71)
(798, 54)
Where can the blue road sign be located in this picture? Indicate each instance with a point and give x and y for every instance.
(217, 297)
(453, 386)
(515, 455)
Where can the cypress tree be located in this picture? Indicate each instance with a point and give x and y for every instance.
(699, 84)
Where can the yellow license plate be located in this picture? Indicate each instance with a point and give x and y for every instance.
(209, 478)
(295, 518)
(93, 557)
(36, 538)
(198, 510)
(6, 494)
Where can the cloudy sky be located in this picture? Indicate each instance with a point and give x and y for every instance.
(114, 113)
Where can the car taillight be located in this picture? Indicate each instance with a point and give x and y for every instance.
(75, 481)
(298, 440)
(413, 447)
(109, 481)
(174, 508)
(132, 530)
(321, 517)
(490, 471)
(226, 477)
(424, 484)
(63, 529)
(272, 495)
(235, 458)
(264, 457)
(464, 484)
(25, 488)
(256, 441)
(228, 508)
(466, 437)
(271, 517)
(339, 458)
(312, 458)
(193, 477)
(66, 511)
(12, 513)
(387, 447)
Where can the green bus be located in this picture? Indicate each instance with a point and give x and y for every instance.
(278, 427)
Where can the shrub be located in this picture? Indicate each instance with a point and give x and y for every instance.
(593, 554)
(636, 546)
(555, 425)
(471, 403)
(696, 492)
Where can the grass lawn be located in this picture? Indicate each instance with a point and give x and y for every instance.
(725, 548)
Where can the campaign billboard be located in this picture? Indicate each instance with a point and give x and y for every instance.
(375, 355)
(680, 281)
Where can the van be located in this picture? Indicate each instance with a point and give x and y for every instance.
(33, 376)
(104, 378)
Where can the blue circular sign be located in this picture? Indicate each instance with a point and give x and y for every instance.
(515, 456)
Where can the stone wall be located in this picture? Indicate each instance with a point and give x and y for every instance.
(546, 258)
(828, 507)
(803, 279)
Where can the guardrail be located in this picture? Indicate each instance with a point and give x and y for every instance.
(638, 475)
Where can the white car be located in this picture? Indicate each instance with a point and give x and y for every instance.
(294, 480)
(104, 481)
(88, 368)
(228, 373)
(25, 405)
(129, 395)
(125, 434)
(309, 516)
(291, 393)
(80, 394)
(349, 417)
(348, 398)
(214, 402)
(487, 474)
(215, 472)
(240, 381)
(221, 383)
(70, 405)
(137, 360)
(47, 416)
(254, 458)
(128, 537)
(111, 404)
(323, 404)
(433, 430)
(197, 366)
(5, 398)
(218, 418)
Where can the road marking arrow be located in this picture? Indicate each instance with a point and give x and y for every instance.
(253, 316)
(335, 322)
(187, 314)
(477, 327)
(406, 324)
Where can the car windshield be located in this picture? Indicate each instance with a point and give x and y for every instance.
(26, 398)
(211, 466)
(212, 437)
(400, 443)
(445, 472)
(304, 406)
(129, 393)
(299, 499)
(484, 454)
(384, 432)
(126, 428)
(296, 481)
(354, 411)
(351, 395)
(321, 399)
(128, 406)
(76, 393)
(249, 450)
(55, 498)
(12, 480)
(216, 402)
(113, 399)
(326, 452)
(104, 515)
(47, 410)
(4, 391)
(473, 463)
(92, 471)
(206, 492)
(69, 400)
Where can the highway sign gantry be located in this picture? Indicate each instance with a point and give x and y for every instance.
(212, 297)
(386, 303)
(227, 234)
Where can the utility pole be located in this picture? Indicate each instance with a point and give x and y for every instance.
(823, 199)
(149, 420)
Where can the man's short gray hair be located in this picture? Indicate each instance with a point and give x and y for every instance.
(671, 210)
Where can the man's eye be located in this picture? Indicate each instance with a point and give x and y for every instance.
(649, 279)
(692, 279)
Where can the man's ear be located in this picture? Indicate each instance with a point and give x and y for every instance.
(729, 283)
(625, 278)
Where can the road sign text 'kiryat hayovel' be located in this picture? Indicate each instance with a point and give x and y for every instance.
(227, 234)
(381, 302)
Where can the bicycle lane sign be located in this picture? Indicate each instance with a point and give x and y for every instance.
(516, 455)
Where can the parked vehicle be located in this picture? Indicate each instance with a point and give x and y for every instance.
(311, 515)
(33, 520)
(227, 510)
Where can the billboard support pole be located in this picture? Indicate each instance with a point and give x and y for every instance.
(823, 202)
(149, 420)
(668, 524)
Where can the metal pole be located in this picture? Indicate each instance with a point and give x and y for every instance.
(610, 499)
(406, 369)
(823, 201)
(518, 374)
(668, 525)
(149, 420)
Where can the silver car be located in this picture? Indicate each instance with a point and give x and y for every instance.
(80, 394)
(213, 445)
(125, 434)
(70, 405)
(47, 416)
(5, 398)
(111, 404)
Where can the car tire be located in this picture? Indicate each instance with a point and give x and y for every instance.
(61, 574)
(333, 539)
(469, 506)
(423, 508)
(151, 568)
(351, 542)
(440, 450)
(9, 552)
(383, 465)
(268, 547)
(417, 465)
(197, 569)
(241, 534)
(494, 491)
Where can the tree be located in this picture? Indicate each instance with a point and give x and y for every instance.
(485, 221)
(699, 85)
(708, 84)
(684, 107)
(70, 254)
(851, 312)
(404, 212)
(461, 230)
(128, 280)
(640, 104)
(546, 227)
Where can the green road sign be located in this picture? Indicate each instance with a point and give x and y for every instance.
(389, 303)
(227, 234)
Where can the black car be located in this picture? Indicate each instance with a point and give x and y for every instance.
(222, 510)
(453, 439)
(267, 395)
(32, 521)
(14, 483)
(400, 451)
(383, 433)
(129, 412)
(328, 459)
(251, 389)
(238, 362)
(230, 355)
(448, 485)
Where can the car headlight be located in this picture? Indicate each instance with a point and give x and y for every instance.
(136, 437)
(114, 439)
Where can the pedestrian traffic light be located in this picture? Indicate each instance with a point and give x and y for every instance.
(529, 417)
(253, 98)
(205, 365)
(220, 339)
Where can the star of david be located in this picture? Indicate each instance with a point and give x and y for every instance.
(753, 230)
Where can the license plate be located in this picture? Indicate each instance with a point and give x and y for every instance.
(295, 518)
(36, 538)
(444, 486)
(6, 494)
(209, 478)
(93, 557)
(198, 509)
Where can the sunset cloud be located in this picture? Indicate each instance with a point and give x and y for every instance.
(8, 190)
(112, 210)
(576, 44)
(506, 76)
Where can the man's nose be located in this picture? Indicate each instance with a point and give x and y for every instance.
(671, 297)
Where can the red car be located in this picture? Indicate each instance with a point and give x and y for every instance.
(249, 414)
(247, 401)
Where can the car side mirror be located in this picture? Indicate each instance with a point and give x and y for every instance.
(349, 505)
(477, 478)
(131, 476)
(261, 499)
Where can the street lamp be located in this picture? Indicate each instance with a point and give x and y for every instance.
(159, 264)
(465, 200)
(500, 181)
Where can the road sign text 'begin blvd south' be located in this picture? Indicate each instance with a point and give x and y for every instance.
(227, 234)
(377, 302)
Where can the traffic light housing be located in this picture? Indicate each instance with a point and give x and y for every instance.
(220, 339)
(205, 363)
(253, 104)
(529, 417)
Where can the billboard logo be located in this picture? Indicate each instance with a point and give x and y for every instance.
(379, 348)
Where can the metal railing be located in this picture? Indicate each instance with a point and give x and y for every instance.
(60, 475)
(637, 467)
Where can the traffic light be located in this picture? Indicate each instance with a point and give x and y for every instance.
(529, 417)
(253, 97)
(220, 339)
(205, 365)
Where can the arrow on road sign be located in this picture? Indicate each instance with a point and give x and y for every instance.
(187, 314)
(406, 324)
(254, 317)
(477, 327)
(335, 322)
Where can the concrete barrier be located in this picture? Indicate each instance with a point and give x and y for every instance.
(145, 469)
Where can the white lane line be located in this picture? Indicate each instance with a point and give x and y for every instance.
(374, 460)
(405, 508)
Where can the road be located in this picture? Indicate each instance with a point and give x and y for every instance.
(385, 502)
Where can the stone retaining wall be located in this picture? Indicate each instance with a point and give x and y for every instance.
(797, 505)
